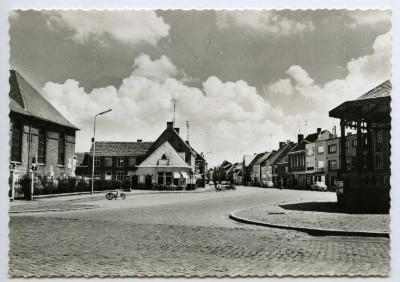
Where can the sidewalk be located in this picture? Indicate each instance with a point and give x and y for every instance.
(72, 201)
(316, 218)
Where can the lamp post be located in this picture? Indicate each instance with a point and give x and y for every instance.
(94, 145)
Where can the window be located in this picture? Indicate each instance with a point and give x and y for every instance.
(168, 178)
(108, 175)
(42, 146)
(160, 178)
(96, 161)
(320, 149)
(310, 151)
(96, 175)
(332, 149)
(61, 149)
(107, 162)
(132, 161)
(321, 164)
(119, 175)
(354, 143)
(120, 162)
(332, 164)
(16, 142)
(347, 144)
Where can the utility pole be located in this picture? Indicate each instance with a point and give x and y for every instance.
(298, 123)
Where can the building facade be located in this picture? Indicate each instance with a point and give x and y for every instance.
(40, 137)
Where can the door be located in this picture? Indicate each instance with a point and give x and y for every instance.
(135, 181)
(147, 181)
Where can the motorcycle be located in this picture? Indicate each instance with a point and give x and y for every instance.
(115, 194)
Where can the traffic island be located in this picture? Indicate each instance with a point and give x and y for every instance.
(316, 218)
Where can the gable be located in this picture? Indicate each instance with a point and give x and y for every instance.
(156, 159)
(172, 137)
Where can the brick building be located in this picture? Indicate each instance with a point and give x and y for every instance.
(145, 164)
(39, 134)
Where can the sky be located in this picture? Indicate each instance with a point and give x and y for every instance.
(245, 80)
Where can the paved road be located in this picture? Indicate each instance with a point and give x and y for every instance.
(183, 234)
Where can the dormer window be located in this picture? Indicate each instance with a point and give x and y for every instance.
(164, 157)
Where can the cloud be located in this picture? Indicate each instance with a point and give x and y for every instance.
(126, 26)
(263, 21)
(368, 17)
(160, 69)
(224, 116)
(299, 90)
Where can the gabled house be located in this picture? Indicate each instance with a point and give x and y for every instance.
(40, 136)
(279, 173)
(170, 160)
(297, 159)
(255, 168)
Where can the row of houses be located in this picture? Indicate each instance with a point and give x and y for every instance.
(358, 160)
(41, 137)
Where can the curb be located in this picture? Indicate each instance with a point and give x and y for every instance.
(311, 231)
(105, 191)
(53, 210)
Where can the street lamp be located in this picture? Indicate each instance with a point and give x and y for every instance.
(94, 145)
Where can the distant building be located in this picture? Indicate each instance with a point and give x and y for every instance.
(297, 159)
(40, 136)
(367, 179)
(278, 164)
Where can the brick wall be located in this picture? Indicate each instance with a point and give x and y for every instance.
(30, 149)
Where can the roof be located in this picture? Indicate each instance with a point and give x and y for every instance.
(169, 133)
(257, 157)
(81, 159)
(373, 105)
(265, 157)
(26, 100)
(310, 138)
(112, 148)
(173, 158)
(281, 153)
(382, 90)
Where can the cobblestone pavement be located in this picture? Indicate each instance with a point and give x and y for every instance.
(187, 238)
(274, 214)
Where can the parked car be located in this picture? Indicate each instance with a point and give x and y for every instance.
(267, 184)
(319, 186)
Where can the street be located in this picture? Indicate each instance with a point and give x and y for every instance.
(184, 234)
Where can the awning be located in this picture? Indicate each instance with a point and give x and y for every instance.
(184, 174)
(177, 175)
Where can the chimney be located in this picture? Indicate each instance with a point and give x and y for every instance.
(139, 140)
(319, 130)
(300, 138)
(281, 144)
(176, 129)
(170, 124)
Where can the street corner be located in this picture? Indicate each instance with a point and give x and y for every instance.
(315, 218)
